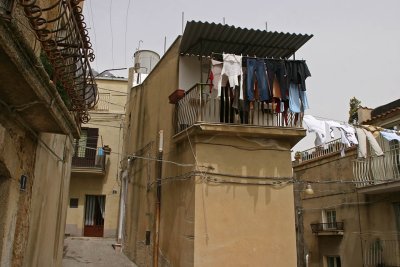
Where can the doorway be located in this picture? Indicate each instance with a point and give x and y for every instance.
(94, 215)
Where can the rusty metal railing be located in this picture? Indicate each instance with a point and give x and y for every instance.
(61, 29)
(89, 158)
(201, 105)
(326, 227)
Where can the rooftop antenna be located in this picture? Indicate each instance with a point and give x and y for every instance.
(266, 25)
(138, 48)
(183, 18)
(165, 43)
(223, 20)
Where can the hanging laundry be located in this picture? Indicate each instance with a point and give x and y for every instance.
(256, 69)
(297, 99)
(363, 136)
(217, 79)
(232, 68)
(316, 126)
(298, 72)
(390, 136)
(277, 78)
(330, 125)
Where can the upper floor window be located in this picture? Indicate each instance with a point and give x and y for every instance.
(329, 219)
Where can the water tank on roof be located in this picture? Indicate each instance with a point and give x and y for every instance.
(145, 61)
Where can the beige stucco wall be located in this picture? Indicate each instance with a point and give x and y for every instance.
(110, 125)
(148, 113)
(365, 216)
(203, 224)
(49, 202)
(244, 225)
(31, 228)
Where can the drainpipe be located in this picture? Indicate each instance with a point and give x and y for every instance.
(158, 202)
(122, 203)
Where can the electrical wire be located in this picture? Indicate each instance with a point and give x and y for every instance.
(106, 89)
(112, 35)
(94, 30)
(126, 25)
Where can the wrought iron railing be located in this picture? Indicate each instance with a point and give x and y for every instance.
(328, 148)
(61, 29)
(377, 169)
(199, 105)
(327, 227)
(89, 158)
(104, 102)
(382, 253)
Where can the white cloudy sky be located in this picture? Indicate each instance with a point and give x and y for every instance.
(355, 50)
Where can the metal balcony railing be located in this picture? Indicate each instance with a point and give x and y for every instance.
(331, 147)
(89, 158)
(327, 227)
(199, 105)
(381, 252)
(377, 169)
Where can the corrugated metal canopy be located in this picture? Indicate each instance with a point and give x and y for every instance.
(203, 38)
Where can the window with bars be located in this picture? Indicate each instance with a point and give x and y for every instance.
(333, 261)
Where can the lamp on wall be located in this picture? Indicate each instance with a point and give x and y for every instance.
(309, 190)
(22, 183)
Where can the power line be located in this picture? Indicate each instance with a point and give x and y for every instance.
(94, 30)
(112, 36)
(126, 25)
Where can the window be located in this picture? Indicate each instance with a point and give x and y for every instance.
(329, 219)
(81, 144)
(73, 202)
(333, 261)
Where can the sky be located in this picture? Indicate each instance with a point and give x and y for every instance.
(355, 50)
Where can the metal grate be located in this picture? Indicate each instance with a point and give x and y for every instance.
(199, 105)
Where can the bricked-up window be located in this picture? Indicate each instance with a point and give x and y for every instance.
(6, 7)
(73, 202)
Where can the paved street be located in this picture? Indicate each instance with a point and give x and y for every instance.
(84, 251)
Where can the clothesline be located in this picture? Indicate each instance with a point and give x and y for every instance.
(255, 57)
(350, 134)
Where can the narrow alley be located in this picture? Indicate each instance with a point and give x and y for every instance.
(89, 251)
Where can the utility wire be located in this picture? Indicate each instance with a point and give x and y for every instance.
(112, 37)
(126, 25)
(94, 30)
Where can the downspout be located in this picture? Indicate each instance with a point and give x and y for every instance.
(158, 201)
(122, 203)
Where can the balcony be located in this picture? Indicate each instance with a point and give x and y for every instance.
(198, 105)
(89, 161)
(332, 228)
(381, 252)
(377, 174)
(327, 149)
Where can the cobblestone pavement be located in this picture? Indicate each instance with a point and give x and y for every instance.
(99, 252)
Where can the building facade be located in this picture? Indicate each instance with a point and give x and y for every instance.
(353, 217)
(43, 100)
(94, 194)
(199, 190)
